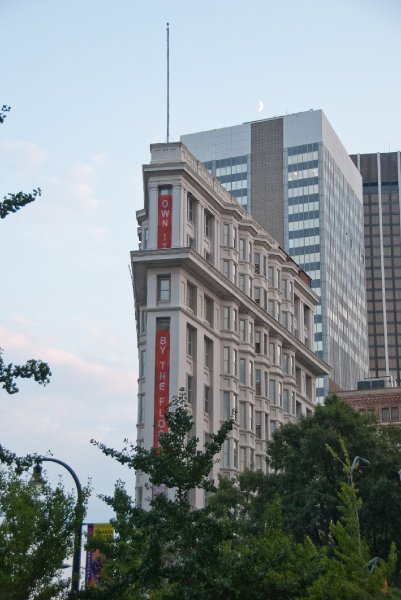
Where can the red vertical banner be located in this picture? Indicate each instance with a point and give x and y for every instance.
(162, 381)
(164, 218)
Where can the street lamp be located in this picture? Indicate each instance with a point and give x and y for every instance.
(79, 513)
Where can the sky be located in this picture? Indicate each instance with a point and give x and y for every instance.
(86, 80)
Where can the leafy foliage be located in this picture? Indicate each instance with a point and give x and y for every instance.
(307, 479)
(3, 110)
(13, 202)
(35, 537)
(177, 463)
(36, 369)
(348, 573)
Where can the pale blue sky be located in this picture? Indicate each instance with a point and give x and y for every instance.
(86, 80)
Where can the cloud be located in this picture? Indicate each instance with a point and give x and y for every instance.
(99, 233)
(21, 157)
(116, 379)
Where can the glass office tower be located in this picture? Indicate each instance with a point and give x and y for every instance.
(381, 174)
(295, 176)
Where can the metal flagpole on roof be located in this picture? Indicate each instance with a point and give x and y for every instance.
(168, 83)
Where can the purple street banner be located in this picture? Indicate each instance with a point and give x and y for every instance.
(93, 565)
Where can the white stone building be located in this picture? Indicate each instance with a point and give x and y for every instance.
(221, 311)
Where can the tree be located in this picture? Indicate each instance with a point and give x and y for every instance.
(4, 109)
(170, 551)
(350, 573)
(13, 202)
(36, 369)
(36, 529)
(307, 478)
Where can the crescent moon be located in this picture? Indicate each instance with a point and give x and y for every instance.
(261, 106)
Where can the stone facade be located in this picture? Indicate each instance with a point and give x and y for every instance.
(221, 311)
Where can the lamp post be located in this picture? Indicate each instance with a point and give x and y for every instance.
(79, 512)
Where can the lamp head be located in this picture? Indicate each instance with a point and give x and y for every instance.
(37, 480)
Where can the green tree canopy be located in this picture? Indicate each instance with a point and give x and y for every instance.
(36, 529)
(308, 480)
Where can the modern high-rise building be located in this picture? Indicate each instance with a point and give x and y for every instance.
(222, 311)
(381, 175)
(296, 178)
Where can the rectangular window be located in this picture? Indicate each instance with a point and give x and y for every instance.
(250, 373)
(257, 263)
(250, 418)
(235, 407)
(141, 408)
(207, 399)
(226, 453)
(385, 414)
(143, 320)
(256, 295)
(190, 208)
(250, 331)
(272, 352)
(258, 382)
(242, 371)
(286, 400)
(209, 310)
(242, 249)
(279, 355)
(142, 363)
(280, 394)
(234, 274)
(272, 391)
(235, 448)
(242, 415)
(234, 238)
(226, 234)
(191, 296)
(293, 403)
(208, 353)
(190, 398)
(241, 282)
(208, 225)
(163, 288)
(226, 405)
(394, 413)
(270, 276)
(226, 318)
(258, 424)
(226, 360)
(235, 362)
(257, 342)
(235, 320)
(286, 363)
(190, 341)
(273, 427)
(242, 330)
(252, 459)
(139, 497)
(242, 461)
(226, 268)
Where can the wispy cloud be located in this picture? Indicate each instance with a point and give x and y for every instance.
(115, 378)
(21, 157)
